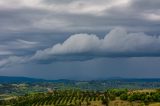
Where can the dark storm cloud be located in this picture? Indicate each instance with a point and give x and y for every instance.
(102, 68)
(38, 30)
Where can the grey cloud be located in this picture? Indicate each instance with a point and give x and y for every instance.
(16, 48)
(27, 42)
(145, 4)
(18, 44)
(57, 1)
(13, 60)
(14, 20)
(31, 17)
(22, 44)
(2, 52)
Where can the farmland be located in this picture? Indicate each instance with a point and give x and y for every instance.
(111, 92)
(111, 97)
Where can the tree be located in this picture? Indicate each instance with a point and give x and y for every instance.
(124, 97)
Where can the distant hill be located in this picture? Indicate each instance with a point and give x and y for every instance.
(9, 79)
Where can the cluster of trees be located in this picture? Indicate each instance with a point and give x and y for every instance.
(146, 97)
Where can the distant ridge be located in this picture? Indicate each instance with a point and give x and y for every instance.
(12, 79)
(17, 79)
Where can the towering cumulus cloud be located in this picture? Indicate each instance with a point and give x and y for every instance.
(117, 43)
(81, 47)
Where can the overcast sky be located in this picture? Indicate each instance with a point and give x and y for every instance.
(80, 39)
